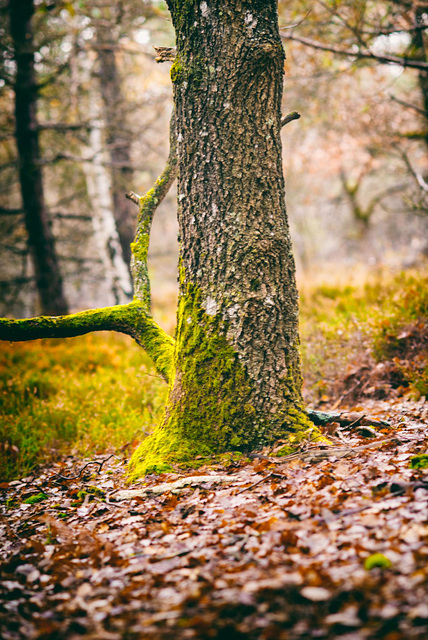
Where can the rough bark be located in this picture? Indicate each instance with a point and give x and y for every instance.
(40, 237)
(238, 380)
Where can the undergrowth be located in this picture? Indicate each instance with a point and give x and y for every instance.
(89, 395)
(100, 393)
(371, 335)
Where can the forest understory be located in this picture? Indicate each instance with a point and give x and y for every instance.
(329, 542)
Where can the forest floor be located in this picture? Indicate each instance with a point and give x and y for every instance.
(325, 543)
(328, 543)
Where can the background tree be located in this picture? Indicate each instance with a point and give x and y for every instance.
(40, 238)
(78, 157)
(355, 77)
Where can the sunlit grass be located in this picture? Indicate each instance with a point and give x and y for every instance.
(342, 324)
(90, 395)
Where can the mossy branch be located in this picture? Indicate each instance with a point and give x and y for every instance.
(148, 205)
(131, 319)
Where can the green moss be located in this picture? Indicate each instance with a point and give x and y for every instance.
(419, 462)
(177, 70)
(287, 450)
(95, 491)
(35, 499)
(90, 490)
(377, 560)
(210, 409)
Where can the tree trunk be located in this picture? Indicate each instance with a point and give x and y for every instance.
(237, 383)
(418, 43)
(117, 279)
(118, 138)
(40, 237)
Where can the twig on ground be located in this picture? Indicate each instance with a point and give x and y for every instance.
(353, 424)
(259, 481)
(58, 476)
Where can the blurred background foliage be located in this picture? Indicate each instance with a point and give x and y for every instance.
(357, 194)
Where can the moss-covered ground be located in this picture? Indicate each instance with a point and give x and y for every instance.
(99, 393)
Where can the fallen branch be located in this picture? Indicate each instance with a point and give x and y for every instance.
(322, 454)
(190, 481)
(345, 419)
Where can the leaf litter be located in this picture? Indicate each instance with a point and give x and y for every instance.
(306, 546)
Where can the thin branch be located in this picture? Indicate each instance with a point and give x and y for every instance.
(409, 106)
(131, 195)
(10, 212)
(70, 216)
(296, 24)
(359, 55)
(416, 175)
(58, 477)
(63, 126)
(53, 76)
(289, 118)
(15, 282)
(148, 206)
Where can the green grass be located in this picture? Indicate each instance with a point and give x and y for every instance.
(379, 318)
(88, 395)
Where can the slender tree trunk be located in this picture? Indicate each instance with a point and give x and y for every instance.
(118, 138)
(237, 383)
(116, 273)
(40, 237)
(418, 43)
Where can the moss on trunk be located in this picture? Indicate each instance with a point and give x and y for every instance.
(211, 407)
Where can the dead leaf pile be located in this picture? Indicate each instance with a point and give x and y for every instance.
(299, 547)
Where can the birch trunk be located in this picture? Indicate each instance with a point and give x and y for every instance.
(99, 184)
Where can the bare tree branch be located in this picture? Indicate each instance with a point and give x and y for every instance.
(131, 195)
(10, 212)
(409, 106)
(359, 55)
(289, 118)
